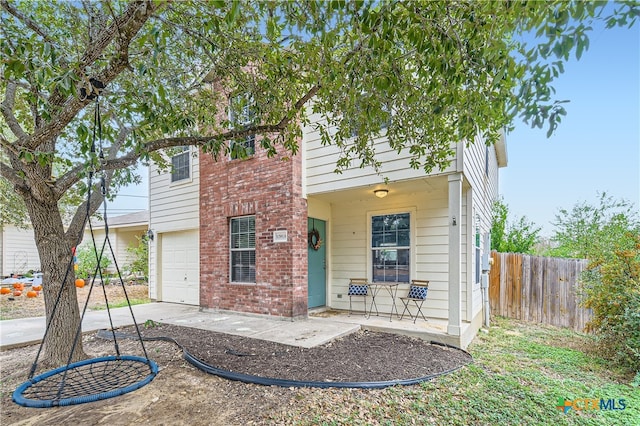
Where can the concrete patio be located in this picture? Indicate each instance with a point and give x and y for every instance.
(320, 327)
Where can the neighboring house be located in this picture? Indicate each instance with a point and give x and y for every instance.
(18, 251)
(234, 234)
(124, 231)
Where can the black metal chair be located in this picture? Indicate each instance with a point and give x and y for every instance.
(358, 287)
(417, 294)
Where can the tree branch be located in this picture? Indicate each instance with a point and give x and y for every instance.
(27, 21)
(7, 110)
(9, 174)
(130, 158)
(126, 26)
(78, 222)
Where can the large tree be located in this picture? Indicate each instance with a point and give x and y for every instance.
(444, 71)
(594, 231)
(507, 236)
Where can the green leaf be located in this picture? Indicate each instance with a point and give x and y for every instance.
(18, 68)
(82, 131)
(233, 13)
(47, 50)
(26, 156)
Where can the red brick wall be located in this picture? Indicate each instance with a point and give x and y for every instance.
(270, 189)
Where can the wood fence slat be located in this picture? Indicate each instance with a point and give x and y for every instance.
(538, 284)
(494, 284)
(526, 289)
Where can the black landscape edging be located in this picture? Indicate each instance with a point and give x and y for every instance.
(270, 381)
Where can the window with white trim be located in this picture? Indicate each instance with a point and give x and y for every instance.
(390, 247)
(243, 249)
(486, 161)
(384, 124)
(242, 115)
(181, 165)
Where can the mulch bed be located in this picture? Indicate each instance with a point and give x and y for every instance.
(363, 356)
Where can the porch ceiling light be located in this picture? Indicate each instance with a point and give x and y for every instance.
(381, 193)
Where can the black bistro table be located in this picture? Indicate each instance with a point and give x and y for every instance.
(391, 289)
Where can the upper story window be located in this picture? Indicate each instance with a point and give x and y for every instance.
(390, 247)
(361, 109)
(243, 249)
(181, 165)
(242, 115)
(486, 161)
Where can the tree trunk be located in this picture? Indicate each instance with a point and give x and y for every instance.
(63, 314)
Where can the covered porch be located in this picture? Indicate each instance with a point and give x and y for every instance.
(434, 329)
(437, 247)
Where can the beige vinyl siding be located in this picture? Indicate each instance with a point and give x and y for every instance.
(172, 207)
(19, 251)
(350, 245)
(320, 163)
(485, 191)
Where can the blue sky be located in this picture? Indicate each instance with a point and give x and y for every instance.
(596, 147)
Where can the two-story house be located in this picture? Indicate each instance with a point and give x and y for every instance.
(280, 236)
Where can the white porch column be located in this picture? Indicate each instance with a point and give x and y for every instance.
(455, 254)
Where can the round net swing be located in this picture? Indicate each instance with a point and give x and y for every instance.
(97, 378)
(86, 381)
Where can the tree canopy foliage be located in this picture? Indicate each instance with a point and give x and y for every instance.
(507, 236)
(446, 71)
(590, 231)
(437, 72)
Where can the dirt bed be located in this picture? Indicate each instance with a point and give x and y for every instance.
(184, 395)
(359, 357)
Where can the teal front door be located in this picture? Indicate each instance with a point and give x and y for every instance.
(317, 262)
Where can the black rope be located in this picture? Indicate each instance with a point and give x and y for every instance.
(61, 385)
(34, 366)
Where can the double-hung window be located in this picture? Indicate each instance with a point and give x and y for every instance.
(241, 115)
(390, 247)
(385, 121)
(243, 249)
(181, 165)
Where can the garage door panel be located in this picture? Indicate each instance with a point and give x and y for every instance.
(181, 268)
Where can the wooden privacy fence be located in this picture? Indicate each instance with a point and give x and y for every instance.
(538, 289)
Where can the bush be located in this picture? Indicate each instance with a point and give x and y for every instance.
(87, 262)
(520, 236)
(139, 266)
(611, 288)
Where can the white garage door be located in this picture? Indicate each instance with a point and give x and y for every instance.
(180, 267)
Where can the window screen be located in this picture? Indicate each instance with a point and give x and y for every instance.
(243, 249)
(242, 115)
(180, 165)
(390, 247)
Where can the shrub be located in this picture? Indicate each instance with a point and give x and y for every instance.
(611, 288)
(87, 262)
(140, 253)
(507, 236)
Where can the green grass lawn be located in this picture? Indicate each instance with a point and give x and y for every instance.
(122, 304)
(521, 371)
